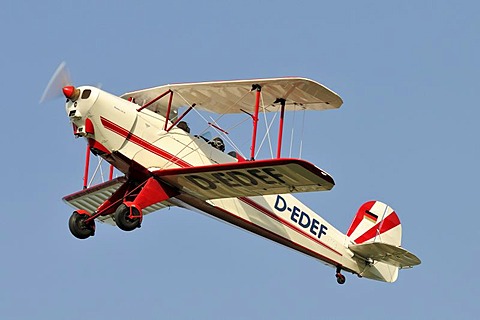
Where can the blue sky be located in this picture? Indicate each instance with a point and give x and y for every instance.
(407, 135)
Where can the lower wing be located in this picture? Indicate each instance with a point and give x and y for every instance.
(90, 199)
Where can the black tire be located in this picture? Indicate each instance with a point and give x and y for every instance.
(79, 228)
(340, 279)
(123, 221)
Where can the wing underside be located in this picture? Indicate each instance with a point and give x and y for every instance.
(237, 96)
(246, 179)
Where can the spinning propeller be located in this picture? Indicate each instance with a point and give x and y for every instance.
(60, 82)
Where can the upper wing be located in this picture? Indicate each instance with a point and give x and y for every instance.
(90, 199)
(387, 253)
(236, 96)
(250, 178)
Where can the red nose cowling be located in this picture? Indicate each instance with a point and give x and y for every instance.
(69, 91)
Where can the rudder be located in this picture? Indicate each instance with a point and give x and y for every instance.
(375, 222)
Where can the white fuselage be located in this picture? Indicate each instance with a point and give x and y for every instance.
(140, 136)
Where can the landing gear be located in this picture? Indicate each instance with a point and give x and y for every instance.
(127, 218)
(340, 277)
(78, 227)
(125, 205)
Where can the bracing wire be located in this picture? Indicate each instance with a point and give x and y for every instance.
(229, 129)
(380, 225)
(206, 121)
(301, 134)
(293, 131)
(221, 115)
(101, 170)
(268, 128)
(265, 136)
(226, 137)
(99, 167)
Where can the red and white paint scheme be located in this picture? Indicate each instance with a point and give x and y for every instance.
(163, 165)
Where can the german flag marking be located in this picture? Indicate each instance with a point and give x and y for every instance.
(370, 216)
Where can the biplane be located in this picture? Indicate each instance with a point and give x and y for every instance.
(145, 136)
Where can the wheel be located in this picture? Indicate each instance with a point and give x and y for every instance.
(123, 220)
(340, 278)
(79, 228)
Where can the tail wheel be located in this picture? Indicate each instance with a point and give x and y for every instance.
(340, 278)
(79, 228)
(127, 218)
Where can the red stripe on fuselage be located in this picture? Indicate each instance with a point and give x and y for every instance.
(170, 157)
(293, 244)
(142, 143)
(272, 215)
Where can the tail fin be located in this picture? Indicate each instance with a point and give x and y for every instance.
(376, 222)
(376, 234)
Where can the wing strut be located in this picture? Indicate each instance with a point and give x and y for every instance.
(87, 184)
(110, 173)
(258, 89)
(282, 101)
(87, 165)
(156, 99)
(280, 129)
(169, 107)
(181, 117)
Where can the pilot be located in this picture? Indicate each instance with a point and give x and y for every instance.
(217, 143)
(184, 126)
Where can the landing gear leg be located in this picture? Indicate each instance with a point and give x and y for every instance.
(128, 216)
(78, 227)
(340, 277)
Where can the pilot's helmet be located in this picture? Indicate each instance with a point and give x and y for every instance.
(217, 143)
(184, 126)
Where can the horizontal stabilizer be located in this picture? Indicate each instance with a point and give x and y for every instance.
(387, 253)
(90, 199)
(247, 179)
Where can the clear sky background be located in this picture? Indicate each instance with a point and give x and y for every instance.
(407, 134)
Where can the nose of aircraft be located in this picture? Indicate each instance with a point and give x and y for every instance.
(71, 92)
